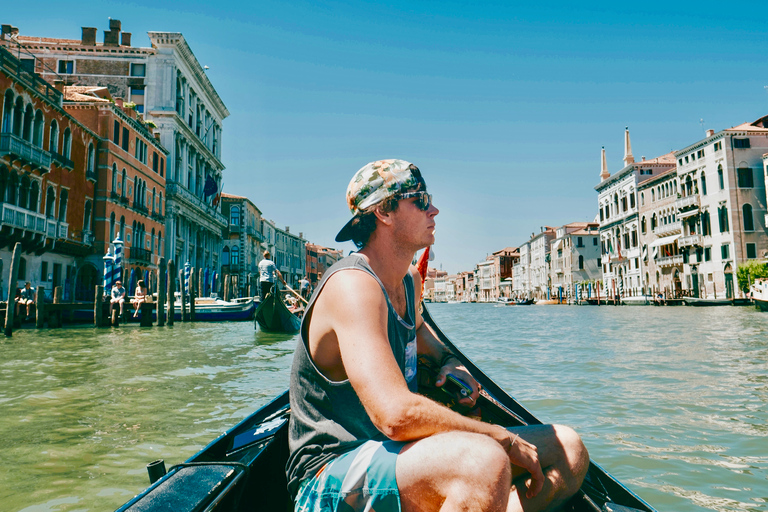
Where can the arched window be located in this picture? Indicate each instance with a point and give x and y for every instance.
(225, 256)
(160, 244)
(53, 137)
(114, 178)
(235, 255)
(18, 117)
(50, 203)
(653, 222)
(234, 216)
(112, 233)
(26, 132)
(749, 221)
(24, 192)
(122, 228)
(7, 126)
(643, 225)
(124, 184)
(720, 179)
(91, 159)
(34, 196)
(37, 130)
(152, 241)
(63, 205)
(653, 195)
(66, 144)
(642, 199)
(134, 234)
(154, 198)
(87, 217)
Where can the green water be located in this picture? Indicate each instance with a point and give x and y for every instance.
(672, 401)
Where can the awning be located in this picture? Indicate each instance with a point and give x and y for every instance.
(664, 240)
(556, 244)
(688, 213)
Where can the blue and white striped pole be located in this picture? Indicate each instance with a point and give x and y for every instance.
(109, 260)
(117, 265)
(187, 268)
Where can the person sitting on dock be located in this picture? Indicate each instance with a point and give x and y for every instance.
(139, 297)
(267, 273)
(360, 437)
(25, 298)
(118, 295)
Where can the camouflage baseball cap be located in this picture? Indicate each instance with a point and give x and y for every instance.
(376, 182)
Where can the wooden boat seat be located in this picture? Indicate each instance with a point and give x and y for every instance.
(195, 487)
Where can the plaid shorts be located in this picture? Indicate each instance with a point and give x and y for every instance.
(362, 480)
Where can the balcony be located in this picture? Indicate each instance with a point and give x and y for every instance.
(670, 261)
(138, 208)
(235, 228)
(91, 176)
(255, 233)
(62, 161)
(25, 152)
(689, 241)
(178, 192)
(21, 218)
(139, 254)
(687, 202)
(668, 229)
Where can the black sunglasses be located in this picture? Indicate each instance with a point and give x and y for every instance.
(423, 200)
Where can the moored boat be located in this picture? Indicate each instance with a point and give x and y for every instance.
(273, 315)
(244, 468)
(695, 301)
(639, 300)
(760, 294)
(212, 309)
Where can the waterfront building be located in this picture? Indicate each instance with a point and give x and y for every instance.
(243, 243)
(619, 222)
(465, 286)
(574, 259)
(485, 279)
(130, 183)
(503, 261)
(722, 207)
(660, 230)
(166, 84)
(47, 185)
(320, 259)
(450, 287)
(289, 251)
(439, 289)
(521, 278)
(539, 267)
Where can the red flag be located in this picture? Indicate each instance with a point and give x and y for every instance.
(422, 265)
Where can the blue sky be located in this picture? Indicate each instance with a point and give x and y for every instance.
(504, 107)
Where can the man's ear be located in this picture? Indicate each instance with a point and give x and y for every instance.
(384, 217)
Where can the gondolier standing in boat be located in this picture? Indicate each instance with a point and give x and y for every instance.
(267, 273)
(360, 436)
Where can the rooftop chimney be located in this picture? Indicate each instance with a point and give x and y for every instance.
(112, 36)
(710, 133)
(89, 36)
(604, 174)
(114, 24)
(628, 158)
(642, 158)
(125, 39)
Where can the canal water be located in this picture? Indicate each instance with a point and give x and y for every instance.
(672, 401)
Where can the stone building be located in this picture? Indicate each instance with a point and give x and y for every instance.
(169, 87)
(521, 278)
(574, 260)
(722, 207)
(503, 261)
(130, 185)
(539, 267)
(320, 259)
(619, 222)
(660, 230)
(288, 250)
(47, 185)
(243, 244)
(485, 280)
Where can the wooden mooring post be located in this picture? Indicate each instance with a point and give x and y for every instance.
(171, 290)
(98, 306)
(200, 283)
(182, 288)
(54, 318)
(227, 286)
(161, 292)
(192, 293)
(10, 310)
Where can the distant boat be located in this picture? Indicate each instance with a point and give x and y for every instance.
(760, 294)
(274, 316)
(694, 301)
(638, 300)
(213, 309)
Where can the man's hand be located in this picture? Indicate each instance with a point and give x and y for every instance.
(454, 367)
(523, 454)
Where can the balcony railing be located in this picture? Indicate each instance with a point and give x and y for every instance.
(139, 254)
(62, 161)
(668, 229)
(235, 228)
(12, 65)
(689, 240)
(23, 219)
(668, 261)
(687, 202)
(178, 191)
(141, 209)
(36, 157)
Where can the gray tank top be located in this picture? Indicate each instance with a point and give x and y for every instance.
(327, 418)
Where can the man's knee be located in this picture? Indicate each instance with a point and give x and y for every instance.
(576, 460)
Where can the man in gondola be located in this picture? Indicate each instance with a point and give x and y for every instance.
(268, 272)
(361, 438)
